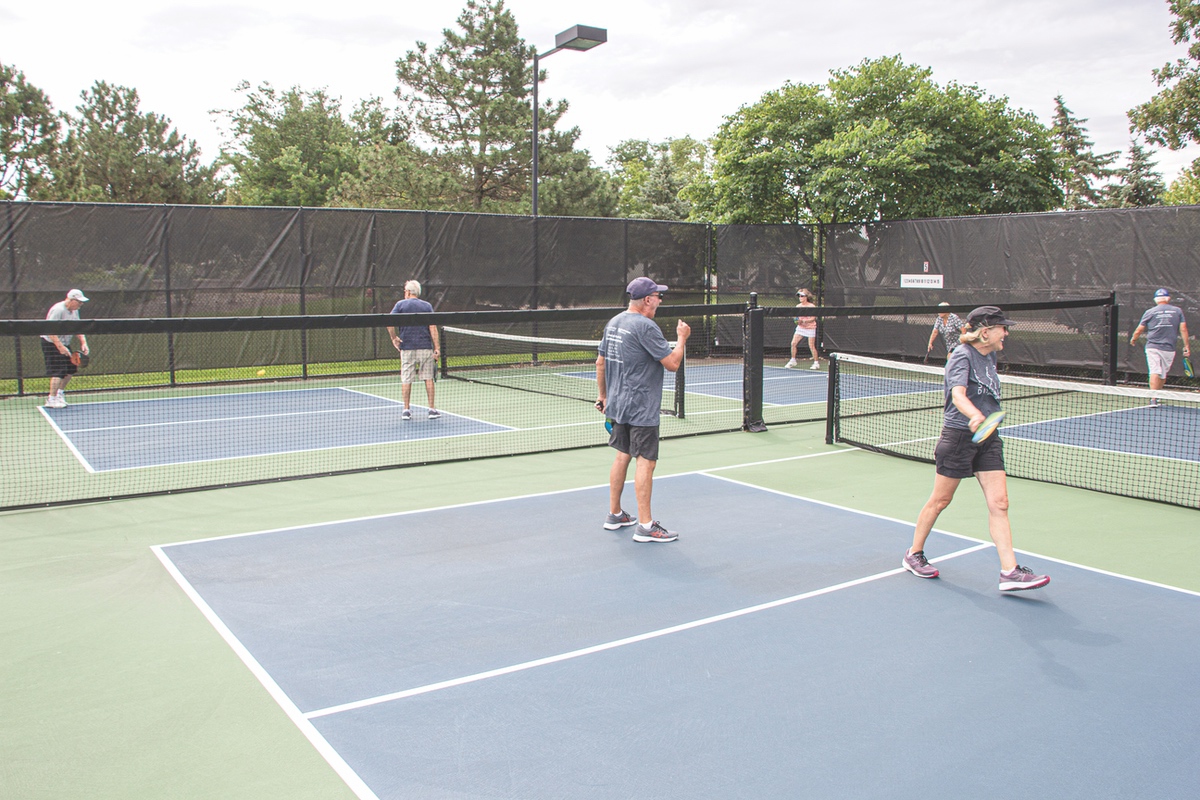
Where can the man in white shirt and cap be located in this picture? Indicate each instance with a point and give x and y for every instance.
(61, 363)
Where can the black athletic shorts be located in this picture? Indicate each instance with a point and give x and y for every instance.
(635, 440)
(957, 456)
(57, 365)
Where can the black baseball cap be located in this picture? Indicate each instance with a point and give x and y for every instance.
(987, 316)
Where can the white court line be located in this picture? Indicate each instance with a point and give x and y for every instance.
(599, 648)
(530, 496)
(247, 417)
(66, 440)
(343, 770)
(385, 443)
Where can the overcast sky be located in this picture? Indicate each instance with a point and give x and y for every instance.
(670, 68)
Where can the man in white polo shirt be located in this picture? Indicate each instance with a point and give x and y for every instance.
(60, 363)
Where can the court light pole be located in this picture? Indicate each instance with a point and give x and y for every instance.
(580, 37)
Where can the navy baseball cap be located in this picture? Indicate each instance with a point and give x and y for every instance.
(1164, 292)
(640, 288)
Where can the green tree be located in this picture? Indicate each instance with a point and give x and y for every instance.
(113, 152)
(288, 148)
(1079, 169)
(1185, 189)
(878, 141)
(470, 99)
(653, 176)
(569, 185)
(390, 171)
(28, 135)
(1138, 184)
(1171, 118)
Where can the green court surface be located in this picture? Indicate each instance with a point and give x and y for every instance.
(115, 685)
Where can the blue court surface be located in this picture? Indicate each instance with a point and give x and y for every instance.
(1164, 432)
(516, 649)
(781, 387)
(129, 434)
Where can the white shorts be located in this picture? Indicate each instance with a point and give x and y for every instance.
(416, 365)
(807, 333)
(1159, 361)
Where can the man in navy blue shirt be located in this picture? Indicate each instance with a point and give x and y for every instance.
(419, 349)
(1163, 325)
(629, 377)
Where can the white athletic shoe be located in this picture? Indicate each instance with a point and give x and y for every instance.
(54, 401)
(816, 365)
(790, 364)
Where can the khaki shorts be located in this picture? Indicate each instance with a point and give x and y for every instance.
(1159, 361)
(416, 365)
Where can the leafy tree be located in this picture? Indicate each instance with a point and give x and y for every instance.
(653, 176)
(569, 185)
(1078, 166)
(28, 134)
(289, 148)
(1171, 118)
(390, 171)
(1139, 184)
(1185, 189)
(115, 153)
(879, 141)
(469, 98)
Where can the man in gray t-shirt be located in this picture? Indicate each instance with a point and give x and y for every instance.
(1163, 325)
(629, 377)
(61, 364)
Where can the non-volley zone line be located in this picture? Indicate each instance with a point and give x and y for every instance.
(629, 640)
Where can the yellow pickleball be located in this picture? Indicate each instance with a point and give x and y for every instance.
(262, 372)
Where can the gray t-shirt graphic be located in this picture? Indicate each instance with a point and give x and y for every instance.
(968, 367)
(1162, 326)
(633, 346)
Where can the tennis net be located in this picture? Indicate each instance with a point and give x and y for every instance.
(548, 365)
(1113, 439)
(170, 405)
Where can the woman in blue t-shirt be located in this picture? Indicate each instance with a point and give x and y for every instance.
(972, 392)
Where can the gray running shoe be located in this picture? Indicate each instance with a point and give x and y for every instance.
(1021, 579)
(406, 415)
(655, 533)
(434, 413)
(617, 521)
(918, 564)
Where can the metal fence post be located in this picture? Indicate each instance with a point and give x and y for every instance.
(752, 367)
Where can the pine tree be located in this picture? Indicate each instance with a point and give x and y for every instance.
(1139, 184)
(1080, 171)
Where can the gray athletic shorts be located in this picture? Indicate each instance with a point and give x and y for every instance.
(635, 440)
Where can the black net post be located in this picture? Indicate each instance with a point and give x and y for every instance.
(10, 235)
(1112, 336)
(752, 367)
(680, 386)
(831, 401)
(305, 268)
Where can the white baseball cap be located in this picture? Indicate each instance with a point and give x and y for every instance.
(75, 294)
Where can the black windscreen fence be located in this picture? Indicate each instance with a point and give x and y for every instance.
(200, 261)
(1017, 258)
